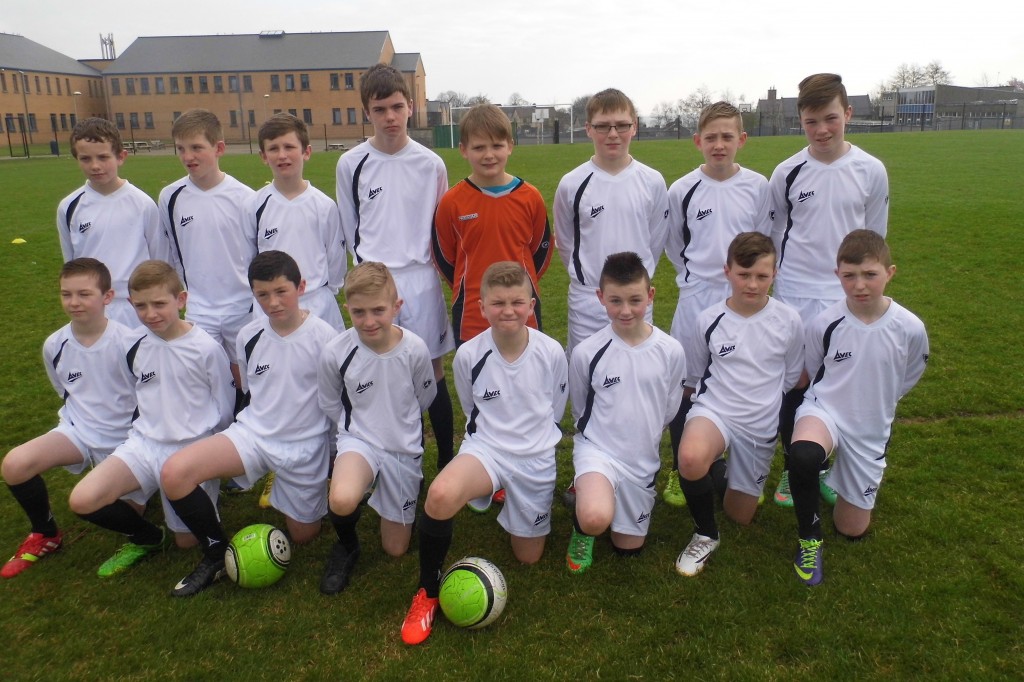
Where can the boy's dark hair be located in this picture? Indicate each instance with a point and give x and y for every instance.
(609, 100)
(269, 265)
(860, 245)
(155, 273)
(88, 266)
(380, 82)
(96, 130)
(747, 248)
(369, 278)
(507, 274)
(713, 112)
(282, 124)
(198, 122)
(624, 268)
(818, 90)
(485, 120)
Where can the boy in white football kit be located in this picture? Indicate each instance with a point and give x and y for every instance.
(819, 195)
(375, 379)
(612, 203)
(281, 430)
(84, 362)
(707, 208)
(626, 382)
(744, 353)
(864, 353)
(108, 218)
(293, 216)
(184, 392)
(511, 381)
(388, 188)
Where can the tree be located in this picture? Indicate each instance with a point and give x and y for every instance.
(579, 109)
(517, 100)
(456, 99)
(479, 98)
(663, 113)
(1016, 83)
(934, 74)
(690, 106)
(907, 76)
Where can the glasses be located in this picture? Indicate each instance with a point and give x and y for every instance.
(605, 128)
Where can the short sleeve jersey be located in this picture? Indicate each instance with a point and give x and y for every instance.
(598, 214)
(378, 398)
(514, 406)
(387, 202)
(212, 243)
(814, 206)
(705, 215)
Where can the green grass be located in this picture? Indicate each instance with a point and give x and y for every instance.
(935, 591)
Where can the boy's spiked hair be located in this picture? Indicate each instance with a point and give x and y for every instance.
(96, 130)
(624, 268)
(198, 122)
(282, 124)
(505, 273)
(369, 278)
(381, 81)
(269, 265)
(485, 120)
(88, 266)
(860, 245)
(747, 248)
(713, 112)
(609, 100)
(155, 273)
(819, 89)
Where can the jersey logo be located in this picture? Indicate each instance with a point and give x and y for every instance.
(541, 518)
(268, 233)
(491, 395)
(762, 478)
(701, 215)
(596, 211)
(374, 192)
(147, 376)
(561, 387)
(870, 490)
(842, 355)
(84, 227)
(611, 381)
(426, 384)
(815, 519)
(643, 517)
(771, 215)
(443, 336)
(665, 217)
(262, 369)
(726, 349)
(74, 376)
(185, 220)
(804, 196)
(408, 504)
(362, 388)
(469, 216)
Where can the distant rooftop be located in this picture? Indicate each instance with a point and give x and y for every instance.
(18, 52)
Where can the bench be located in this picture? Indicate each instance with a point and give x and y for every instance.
(337, 147)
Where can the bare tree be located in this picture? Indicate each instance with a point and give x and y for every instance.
(579, 109)
(517, 100)
(907, 76)
(663, 113)
(691, 106)
(1016, 83)
(479, 98)
(456, 99)
(935, 74)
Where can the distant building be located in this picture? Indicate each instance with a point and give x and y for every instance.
(952, 107)
(779, 116)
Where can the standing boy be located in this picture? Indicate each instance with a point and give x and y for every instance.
(388, 188)
(84, 362)
(511, 382)
(626, 382)
(490, 216)
(375, 380)
(108, 218)
(282, 429)
(707, 208)
(744, 353)
(866, 352)
(293, 216)
(819, 195)
(184, 393)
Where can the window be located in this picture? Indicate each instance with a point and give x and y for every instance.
(289, 81)
(204, 85)
(133, 120)
(149, 120)
(335, 82)
(336, 116)
(252, 117)
(129, 86)
(275, 82)
(307, 116)
(32, 123)
(218, 83)
(74, 120)
(174, 85)
(351, 116)
(233, 83)
(67, 84)
(59, 92)
(3, 81)
(119, 120)
(158, 84)
(115, 86)
(234, 118)
(9, 120)
(189, 88)
(53, 122)
(39, 90)
(247, 83)
(64, 119)
(349, 81)
(90, 90)
(144, 86)
(304, 81)
(48, 90)
(175, 116)
(277, 111)
(293, 112)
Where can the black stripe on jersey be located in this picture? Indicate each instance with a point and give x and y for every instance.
(346, 404)
(826, 341)
(60, 351)
(477, 368)
(445, 266)
(790, 179)
(355, 202)
(591, 393)
(174, 231)
(576, 229)
(541, 254)
(259, 216)
(536, 307)
(250, 345)
(458, 310)
(68, 214)
(687, 236)
(132, 352)
(711, 357)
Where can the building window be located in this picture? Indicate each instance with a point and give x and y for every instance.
(351, 116)
(119, 120)
(252, 117)
(129, 86)
(115, 87)
(53, 122)
(90, 90)
(233, 115)
(175, 116)
(32, 123)
(204, 85)
(67, 85)
(349, 81)
(48, 90)
(39, 90)
(275, 82)
(64, 119)
(174, 85)
(133, 120)
(74, 120)
(289, 81)
(158, 84)
(304, 81)
(9, 120)
(59, 92)
(247, 83)
(144, 86)
(3, 81)
(189, 87)
(148, 117)
(233, 83)
(336, 116)
(335, 82)
(307, 116)
(218, 83)
(294, 112)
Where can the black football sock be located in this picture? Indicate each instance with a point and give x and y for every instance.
(791, 400)
(196, 511)
(627, 553)
(675, 430)
(345, 527)
(241, 401)
(720, 476)
(121, 518)
(700, 500)
(805, 458)
(34, 499)
(435, 539)
(442, 420)
(576, 523)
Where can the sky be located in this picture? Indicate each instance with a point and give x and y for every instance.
(551, 53)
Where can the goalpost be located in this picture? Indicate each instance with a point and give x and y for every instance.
(539, 113)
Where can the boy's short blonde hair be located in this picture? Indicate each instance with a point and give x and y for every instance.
(282, 124)
(88, 266)
(818, 90)
(96, 130)
(713, 112)
(370, 278)
(861, 245)
(506, 274)
(609, 100)
(198, 122)
(747, 248)
(485, 120)
(155, 273)
(380, 82)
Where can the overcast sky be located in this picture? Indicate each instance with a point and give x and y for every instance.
(654, 50)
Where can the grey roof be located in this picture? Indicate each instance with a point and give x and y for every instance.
(861, 105)
(251, 52)
(18, 52)
(406, 61)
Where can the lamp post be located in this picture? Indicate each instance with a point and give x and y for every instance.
(74, 98)
(266, 98)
